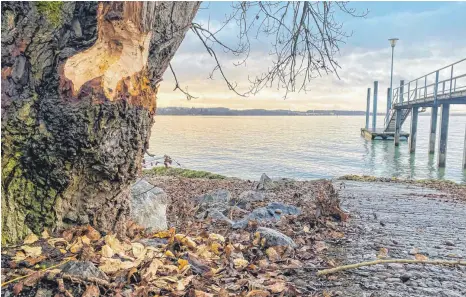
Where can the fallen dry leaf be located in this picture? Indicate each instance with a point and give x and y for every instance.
(32, 279)
(57, 242)
(45, 234)
(107, 251)
(92, 233)
(421, 257)
(182, 264)
(185, 240)
(85, 240)
(278, 287)
(137, 249)
(383, 253)
(17, 288)
(77, 246)
(31, 238)
(272, 254)
(198, 293)
(114, 265)
(223, 293)
(151, 271)
(91, 291)
(30, 251)
(258, 293)
(320, 246)
(114, 243)
(240, 263)
(218, 237)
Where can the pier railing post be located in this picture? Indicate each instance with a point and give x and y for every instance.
(413, 133)
(374, 111)
(398, 115)
(442, 148)
(433, 129)
(387, 120)
(368, 107)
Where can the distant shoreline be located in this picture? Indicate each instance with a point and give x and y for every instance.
(222, 111)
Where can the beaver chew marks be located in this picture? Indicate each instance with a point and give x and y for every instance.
(120, 51)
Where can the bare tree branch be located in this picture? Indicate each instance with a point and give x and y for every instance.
(177, 86)
(305, 39)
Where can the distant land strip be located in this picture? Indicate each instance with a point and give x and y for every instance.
(223, 111)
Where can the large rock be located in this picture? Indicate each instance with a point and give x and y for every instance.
(265, 183)
(275, 238)
(272, 212)
(218, 199)
(216, 215)
(85, 269)
(149, 206)
(246, 198)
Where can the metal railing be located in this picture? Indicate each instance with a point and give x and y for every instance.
(418, 90)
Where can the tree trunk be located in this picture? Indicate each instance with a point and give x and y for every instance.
(79, 84)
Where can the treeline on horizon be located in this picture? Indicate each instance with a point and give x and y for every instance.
(254, 112)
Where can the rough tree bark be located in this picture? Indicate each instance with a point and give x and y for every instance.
(79, 84)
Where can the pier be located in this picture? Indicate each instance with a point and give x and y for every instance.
(415, 96)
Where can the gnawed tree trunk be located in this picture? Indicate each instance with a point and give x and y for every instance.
(79, 84)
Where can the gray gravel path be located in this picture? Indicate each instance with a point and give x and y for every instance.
(404, 219)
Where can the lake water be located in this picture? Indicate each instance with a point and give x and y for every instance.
(301, 147)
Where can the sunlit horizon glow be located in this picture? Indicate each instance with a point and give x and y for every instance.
(431, 36)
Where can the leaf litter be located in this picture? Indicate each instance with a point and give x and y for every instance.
(195, 257)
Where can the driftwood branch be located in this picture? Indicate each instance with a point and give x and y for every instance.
(407, 261)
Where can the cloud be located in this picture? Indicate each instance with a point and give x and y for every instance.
(361, 65)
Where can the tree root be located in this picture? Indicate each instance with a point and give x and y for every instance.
(408, 261)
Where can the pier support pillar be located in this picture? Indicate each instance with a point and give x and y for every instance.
(374, 111)
(413, 133)
(464, 152)
(433, 129)
(442, 148)
(368, 107)
(397, 126)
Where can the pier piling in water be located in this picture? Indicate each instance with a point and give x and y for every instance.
(397, 127)
(413, 133)
(374, 111)
(464, 151)
(368, 107)
(442, 150)
(433, 129)
(398, 116)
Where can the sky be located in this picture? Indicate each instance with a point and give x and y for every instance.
(432, 35)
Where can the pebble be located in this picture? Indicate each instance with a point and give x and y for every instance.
(405, 277)
(449, 243)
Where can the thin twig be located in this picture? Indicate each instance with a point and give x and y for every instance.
(177, 85)
(407, 261)
(45, 269)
